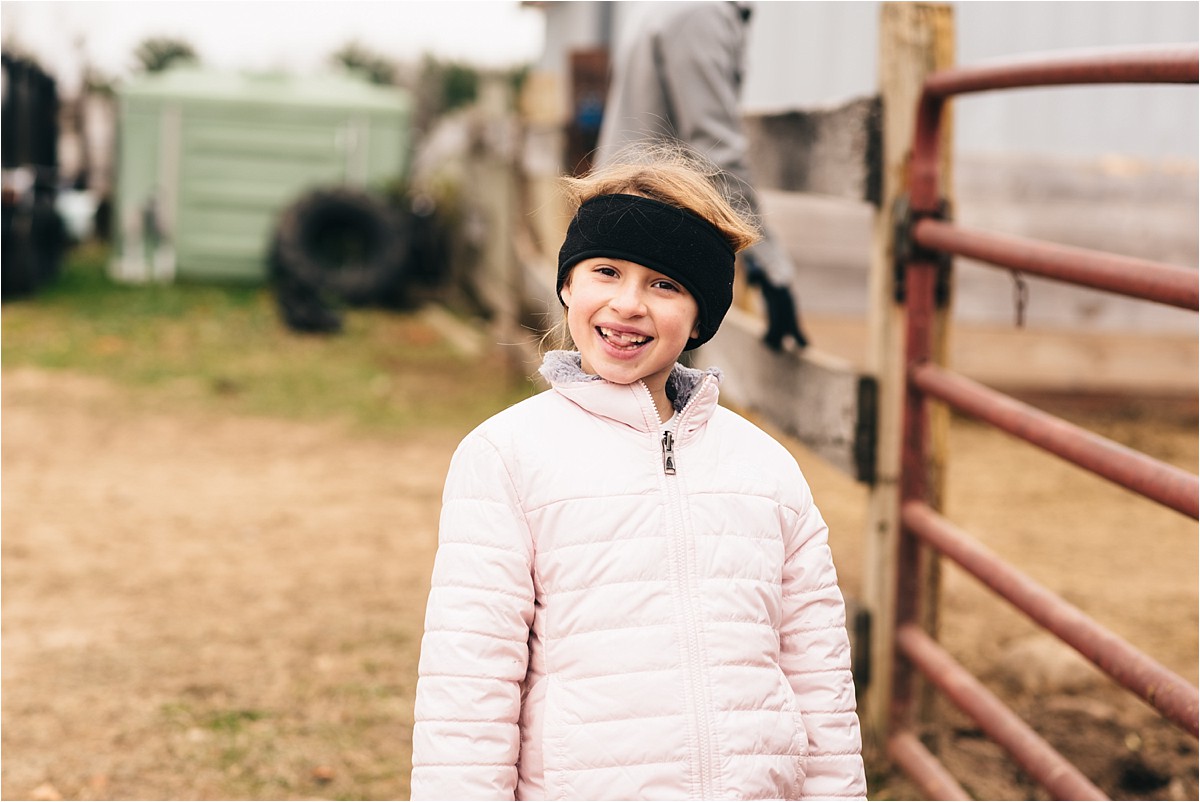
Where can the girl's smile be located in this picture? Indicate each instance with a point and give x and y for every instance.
(623, 339)
(629, 322)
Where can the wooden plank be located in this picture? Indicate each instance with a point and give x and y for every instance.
(825, 152)
(811, 396)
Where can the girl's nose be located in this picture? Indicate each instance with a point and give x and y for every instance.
(627, 300)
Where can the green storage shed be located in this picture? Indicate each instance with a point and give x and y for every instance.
(207, 161)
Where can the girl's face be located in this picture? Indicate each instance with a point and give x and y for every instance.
(629, 322)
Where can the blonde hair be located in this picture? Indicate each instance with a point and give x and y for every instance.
(671, 174)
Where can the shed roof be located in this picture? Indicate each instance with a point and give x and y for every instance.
(326, 90)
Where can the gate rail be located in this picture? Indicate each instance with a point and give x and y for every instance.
(927, 242)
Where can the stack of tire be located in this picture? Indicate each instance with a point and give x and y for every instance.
(33, 234)
(34, 239)
(336, 247)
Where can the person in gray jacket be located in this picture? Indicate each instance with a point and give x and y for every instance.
(678, 77)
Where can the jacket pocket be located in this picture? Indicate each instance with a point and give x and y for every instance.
(799, 741)
(531, 765)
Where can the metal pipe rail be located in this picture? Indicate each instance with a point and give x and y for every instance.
(1138, 278)
(1170, 65)
(1156, 480)
(921, 528)
(907, 752)
(1167, 692)
(1005, 727)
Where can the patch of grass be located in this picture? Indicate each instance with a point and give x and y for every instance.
(178, 714)
(240, 746)
(232, 721)
(229, 721)
(226, 346)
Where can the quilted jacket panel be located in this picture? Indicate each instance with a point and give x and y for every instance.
(598, 629)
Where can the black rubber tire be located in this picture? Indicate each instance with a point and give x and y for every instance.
(343, 242)
(35, 239)
(303, 308)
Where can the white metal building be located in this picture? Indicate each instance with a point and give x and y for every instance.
(814, 54)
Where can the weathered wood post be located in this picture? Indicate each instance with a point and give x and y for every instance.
(494, 189)
(915, 39)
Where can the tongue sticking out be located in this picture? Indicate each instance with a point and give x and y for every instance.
(623, 339)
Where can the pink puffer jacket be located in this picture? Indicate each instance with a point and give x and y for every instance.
(599, 628)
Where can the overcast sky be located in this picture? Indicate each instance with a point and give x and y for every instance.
(296, 35)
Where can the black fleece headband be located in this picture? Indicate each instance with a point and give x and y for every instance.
(659, 236)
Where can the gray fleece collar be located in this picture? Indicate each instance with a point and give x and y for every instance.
(565, 367)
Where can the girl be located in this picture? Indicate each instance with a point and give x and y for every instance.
(633, 597)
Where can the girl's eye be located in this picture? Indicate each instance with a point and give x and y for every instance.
(605, 270)
(662, 284)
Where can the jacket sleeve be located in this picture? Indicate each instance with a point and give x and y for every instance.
(700, 58)
(815, 656)
(475, 648)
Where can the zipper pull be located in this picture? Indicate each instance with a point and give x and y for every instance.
(668, 449)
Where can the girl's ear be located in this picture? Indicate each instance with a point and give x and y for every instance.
(696, 330)
(565, 292)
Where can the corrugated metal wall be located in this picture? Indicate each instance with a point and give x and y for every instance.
(814, 54)
(208, 160)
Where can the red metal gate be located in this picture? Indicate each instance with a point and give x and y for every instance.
(927, 242)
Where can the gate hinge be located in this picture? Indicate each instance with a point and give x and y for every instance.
(860, 651)
(866, 427)
(905, 249)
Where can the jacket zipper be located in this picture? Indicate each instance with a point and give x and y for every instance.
(695, 676)
(668, 437)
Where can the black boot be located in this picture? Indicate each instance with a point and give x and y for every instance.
(783, 320)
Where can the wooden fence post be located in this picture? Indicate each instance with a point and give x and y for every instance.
(492, 175)
(914, 40)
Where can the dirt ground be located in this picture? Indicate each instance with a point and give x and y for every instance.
(198, 606)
